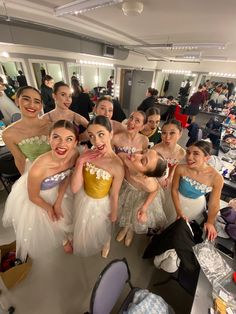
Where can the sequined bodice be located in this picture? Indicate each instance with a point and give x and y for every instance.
(54, 180)
(125, 149)
(34, 146)
(97, 181)
(172, 162)
(192, 188)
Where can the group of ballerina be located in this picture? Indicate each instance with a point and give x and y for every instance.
(71, 195)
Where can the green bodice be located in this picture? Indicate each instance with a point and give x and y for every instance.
(34, 146)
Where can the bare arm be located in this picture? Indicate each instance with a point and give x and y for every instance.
(142, 211)
(114, 192)
(61, 191)
(213, 207)
(19, 157)
(35, 177)
(77, 179)
(175, 192)
(80, 120)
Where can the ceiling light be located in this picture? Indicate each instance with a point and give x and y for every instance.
(183, 46)
(5, 54)
(132, 8)
(82, 6)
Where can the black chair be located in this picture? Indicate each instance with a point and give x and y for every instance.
(8, 171)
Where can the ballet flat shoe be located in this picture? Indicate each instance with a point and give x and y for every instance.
(121, 235)
(129, 238)
(105, 251)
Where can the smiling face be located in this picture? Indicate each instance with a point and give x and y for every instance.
(170, 134)
(195, 157)
(62, 141)
(135, 122)
(30, 103)
(104, 108)
(153, 121)
(144, 162)
(100, 137)
(63, 97)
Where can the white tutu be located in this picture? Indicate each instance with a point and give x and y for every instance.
(92, 226)
(36, 234)
(193, 207)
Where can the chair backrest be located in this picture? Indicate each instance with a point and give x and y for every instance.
(15, 117)
(109, 286)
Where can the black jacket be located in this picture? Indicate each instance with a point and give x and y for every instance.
(47, 98)
(82, 104)
(147, 103)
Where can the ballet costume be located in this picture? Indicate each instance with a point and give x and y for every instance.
(92, 226)
(33, 147)
(36, 233)
(130, 200)
(192, 198)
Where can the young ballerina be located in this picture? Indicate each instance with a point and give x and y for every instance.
(96, 181)
(171, 132)
(40, 223)
(63, 98)
(130, 140)
(27, 138)
(139, 207)
(173, 153)
(151, 128)
(191, 182)
(104, 107)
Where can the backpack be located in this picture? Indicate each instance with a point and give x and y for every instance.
(229, 216)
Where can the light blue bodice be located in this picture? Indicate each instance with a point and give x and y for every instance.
(192, 188)
(52, 181)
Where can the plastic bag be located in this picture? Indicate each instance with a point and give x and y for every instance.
(212, 263)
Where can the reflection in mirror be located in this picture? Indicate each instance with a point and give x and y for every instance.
(91, 77)
(172, 84)
(12, 73)
(42, 69)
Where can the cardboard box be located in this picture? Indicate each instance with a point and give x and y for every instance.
(17, 273)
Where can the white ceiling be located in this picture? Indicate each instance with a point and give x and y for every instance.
(161, 22)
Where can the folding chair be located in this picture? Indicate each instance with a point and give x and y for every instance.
(8, 171)
(109, 286)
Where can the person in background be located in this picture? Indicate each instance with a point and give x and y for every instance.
(104, 107)
(27, 138)
(21, 79)
(150, 100)
(130, 140)
(195, 101)
(63, 97)
(7, 106)
(110, 85)
(46, 92)
(191, 182)
(9, 90)
(151, 128)
(81, 102)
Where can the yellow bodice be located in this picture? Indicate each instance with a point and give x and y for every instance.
(97, 181)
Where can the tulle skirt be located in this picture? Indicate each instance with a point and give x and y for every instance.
(92, 226)
(36, 234)
(130, 200)
(192, 208)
